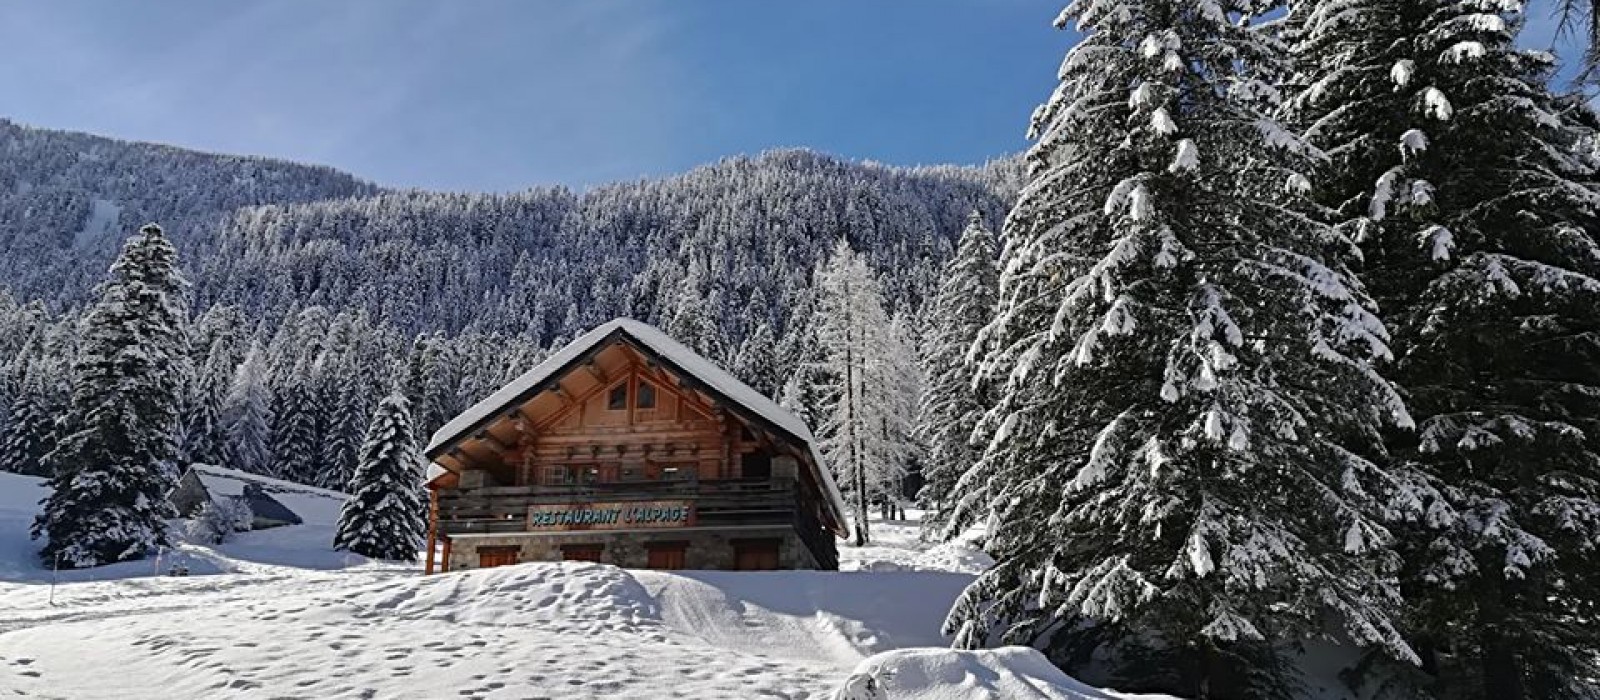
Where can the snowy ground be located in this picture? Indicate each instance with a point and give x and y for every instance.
(280, 616)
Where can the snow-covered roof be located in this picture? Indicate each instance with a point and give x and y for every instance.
(221, 481)
(671, 352)
(274, 498)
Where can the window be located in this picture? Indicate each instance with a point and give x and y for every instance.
(489, 557)
(582, 552)
(588, 475)
(646, 397)
(755, 555)
(755, 465)
(618, 400)
(632, 472)
(667, 555)
(555, 476)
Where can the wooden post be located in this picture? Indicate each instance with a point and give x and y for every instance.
(723, 427)
(433, 529)
(444, 565)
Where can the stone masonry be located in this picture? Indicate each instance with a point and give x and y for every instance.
(707, 548)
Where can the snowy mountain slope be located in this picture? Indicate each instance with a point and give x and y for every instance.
(67, 199)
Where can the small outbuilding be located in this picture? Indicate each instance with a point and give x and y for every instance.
(204, 483)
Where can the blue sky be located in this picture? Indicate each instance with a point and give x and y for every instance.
(506, 94)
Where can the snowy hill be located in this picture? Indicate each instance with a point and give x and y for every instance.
(275, 613)
(67, 199)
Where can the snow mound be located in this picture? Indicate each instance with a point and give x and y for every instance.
(898, 545)
(1008, 673)
(835, 618)
(577, 595)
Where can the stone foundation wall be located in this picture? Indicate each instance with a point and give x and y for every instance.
(706, 549)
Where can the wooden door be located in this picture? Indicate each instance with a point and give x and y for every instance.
(667, 556)
(755, 555)
(496, 556)
(582, 552)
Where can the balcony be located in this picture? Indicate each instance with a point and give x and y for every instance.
(733, 502)
(505, 508)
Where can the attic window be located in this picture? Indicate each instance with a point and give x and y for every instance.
(647, 396)
(618, 400)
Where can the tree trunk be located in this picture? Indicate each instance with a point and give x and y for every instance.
(1502, 675)
(851, 396)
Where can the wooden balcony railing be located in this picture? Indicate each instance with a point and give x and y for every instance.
(504, 509)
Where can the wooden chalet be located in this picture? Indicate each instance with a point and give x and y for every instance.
(627, 448)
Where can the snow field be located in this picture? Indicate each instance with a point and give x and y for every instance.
(276, 614)
(534, 630)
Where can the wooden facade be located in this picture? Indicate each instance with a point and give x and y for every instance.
(617, 450)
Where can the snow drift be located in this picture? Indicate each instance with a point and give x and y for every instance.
(1009, 673)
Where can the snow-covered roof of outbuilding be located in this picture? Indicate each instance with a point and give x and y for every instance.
(672, 353)
(221, 481)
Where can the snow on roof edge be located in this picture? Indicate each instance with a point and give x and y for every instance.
(289, 486)
(689, 361)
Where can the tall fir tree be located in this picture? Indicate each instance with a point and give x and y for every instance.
(346, 414)
(384, 517)
(955, 400)
(113, 465)
(1178, 465)
(1472, 189)
(204, 438)
(297, 431)
(247, 415)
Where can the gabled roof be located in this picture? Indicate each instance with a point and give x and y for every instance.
(221, 481)
(677, 358)
(255, 491)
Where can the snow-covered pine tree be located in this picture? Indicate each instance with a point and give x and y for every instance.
(112, 466)
(384, 517)
(1175, 464)
(205, 439)
(1474, 197)
(433, 382)
(297, 433)
(953, 402)
(247, 415)
(690, 315)
(756, 362)
(347, 412)
(31, 427)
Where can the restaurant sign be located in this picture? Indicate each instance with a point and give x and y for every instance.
(610, 516)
